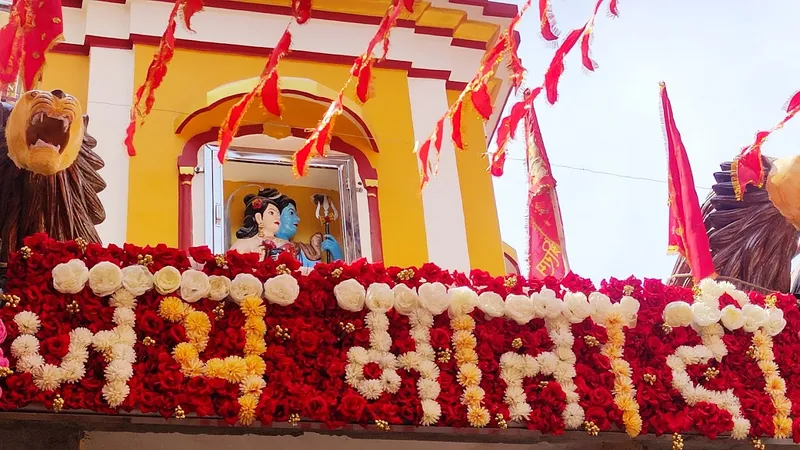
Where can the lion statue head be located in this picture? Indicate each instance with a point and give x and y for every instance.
(49, 177)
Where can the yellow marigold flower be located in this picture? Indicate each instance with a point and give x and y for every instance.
(626, 402)
(765, 354)
(463, 323)
(620, 368)
(761, 340)
(200, 344)
(255, 365)
(215, 368)
(466, 356)
(783, 427)
(633, 423)
(235, 369)
(252, 384)
(194, 368)
(613, 320)
(769, 368)
(615, 336)
(253, 306)
(172, 309)
(623, 386)
(473, 396)
(478, 417)
(254, 345)
(775, 386)
(184, 353)
(197, 325)
(469, 375)
(255, 325)
(247, 413)
(782, 405)
(612, 351)
(463, 339)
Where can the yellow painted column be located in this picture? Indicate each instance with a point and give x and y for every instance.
(477, 196)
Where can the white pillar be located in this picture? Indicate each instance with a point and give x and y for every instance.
(441, 199)
(109, 103)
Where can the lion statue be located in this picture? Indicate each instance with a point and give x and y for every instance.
(49, 177)
(753, 241)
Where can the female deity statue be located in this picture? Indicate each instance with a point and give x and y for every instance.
(270, 223)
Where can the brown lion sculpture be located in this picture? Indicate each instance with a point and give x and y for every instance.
(49, 177)
(753, 241)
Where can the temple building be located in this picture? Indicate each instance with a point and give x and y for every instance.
(175, 192)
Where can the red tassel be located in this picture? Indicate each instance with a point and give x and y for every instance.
(230, 126)
(190, 8)
(129, 132)
(301, 10)
(324, 137)
(455, 120)
(270, 95)
(546, 21)
(423, 153)
(300, 159)
(364, 78)
(585, 58)
(482, 101)
(409, 5)
(498, 163)
(437, 143)
(613, 8)
(794, 103)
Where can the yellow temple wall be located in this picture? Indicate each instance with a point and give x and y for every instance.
(108, 47)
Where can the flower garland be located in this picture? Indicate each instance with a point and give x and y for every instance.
(614, 318)
(775, 385)
(116, 345)
(462, 301)
(247, 371)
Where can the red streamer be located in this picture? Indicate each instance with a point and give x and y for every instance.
(33, 29)
(547, 21)
(301, 10)
(267, 82)
(158, 68)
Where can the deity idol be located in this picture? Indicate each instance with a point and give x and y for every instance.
(270, 222)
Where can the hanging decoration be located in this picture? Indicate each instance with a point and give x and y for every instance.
(747, 167)
(33, 29)
(361, 71)
(687, 232)
(158, 68)
(547, 21)
(546, 251)
(506, 130)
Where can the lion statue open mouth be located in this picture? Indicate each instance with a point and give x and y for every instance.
(49, 177)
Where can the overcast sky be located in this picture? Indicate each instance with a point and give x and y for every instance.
(730, 67)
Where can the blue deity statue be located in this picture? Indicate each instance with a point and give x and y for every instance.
(270, 224)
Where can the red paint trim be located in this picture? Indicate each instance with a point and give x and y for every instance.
(107, 42)
(468, 43)
(188, 158)
(71, 49)
(455, 85)
(119, 2)
(429, 73)
(434, 31)
(513, 263)
(490, 8)
(72, 3)
(352, 114)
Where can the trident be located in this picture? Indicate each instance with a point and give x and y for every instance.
(326, 213)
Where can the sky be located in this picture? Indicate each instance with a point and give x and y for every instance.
(730, 67)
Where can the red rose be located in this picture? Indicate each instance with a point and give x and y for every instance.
(308, 341)
(600, 397)
(55, 348)
(598, 415)
(352, 406)
(149, 323)
(372, 371)
(317, 409)
(796, 431)
(440, 338)
(170, 381)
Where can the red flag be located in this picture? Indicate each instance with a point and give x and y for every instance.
(33, 29)
(546, 251)
(687, 232)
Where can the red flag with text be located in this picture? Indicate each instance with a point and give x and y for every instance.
(546, 251)
(687, 232)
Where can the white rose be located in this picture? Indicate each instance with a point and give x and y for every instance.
(350, 295)
(405, 299)
(754, 317)
(600, 305)
(70, 277)
(245, 285)
(220, 287)
(520, 308)
(678, 314)
(194, 285)
(282, 290)
(105, 278)
(546, 304)
(137, 279)
(167, 280)
(379, 297)
(576, 307)
(433, 297)
(491, 304)
(463, 301)
(775, 322)
(732, 317)
(711, 288)
(705, 314)
(629, 305)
